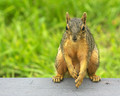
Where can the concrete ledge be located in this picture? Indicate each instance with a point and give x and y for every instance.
(45, 87)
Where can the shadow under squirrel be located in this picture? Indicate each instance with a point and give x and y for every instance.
(77, 53)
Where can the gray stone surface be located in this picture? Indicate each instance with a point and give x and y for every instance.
(45, 87)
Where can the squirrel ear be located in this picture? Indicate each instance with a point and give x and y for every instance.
(67, 17)
(84, 18)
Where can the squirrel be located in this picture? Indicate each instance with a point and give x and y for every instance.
(77, 53)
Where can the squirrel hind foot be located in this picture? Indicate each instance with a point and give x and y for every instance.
(95, 78)
(57, 78)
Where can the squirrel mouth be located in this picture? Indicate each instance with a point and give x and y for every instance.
(74, 40)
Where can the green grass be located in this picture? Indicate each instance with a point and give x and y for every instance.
(31, 31)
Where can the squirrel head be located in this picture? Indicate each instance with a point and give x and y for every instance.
(76, 27)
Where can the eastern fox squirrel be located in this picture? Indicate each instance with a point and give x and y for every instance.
(77, 53)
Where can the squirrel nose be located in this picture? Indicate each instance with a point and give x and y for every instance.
(74, 38)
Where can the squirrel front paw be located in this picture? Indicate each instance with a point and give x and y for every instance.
(78, 81)
(73, 73)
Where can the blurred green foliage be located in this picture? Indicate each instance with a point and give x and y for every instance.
(31, 31)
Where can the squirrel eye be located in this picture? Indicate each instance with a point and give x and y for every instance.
(83, 28)
(66, 28)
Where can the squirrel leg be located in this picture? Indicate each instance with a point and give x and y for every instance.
(83, 67)
(70, 66)
(60, 66)
(93, 65)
